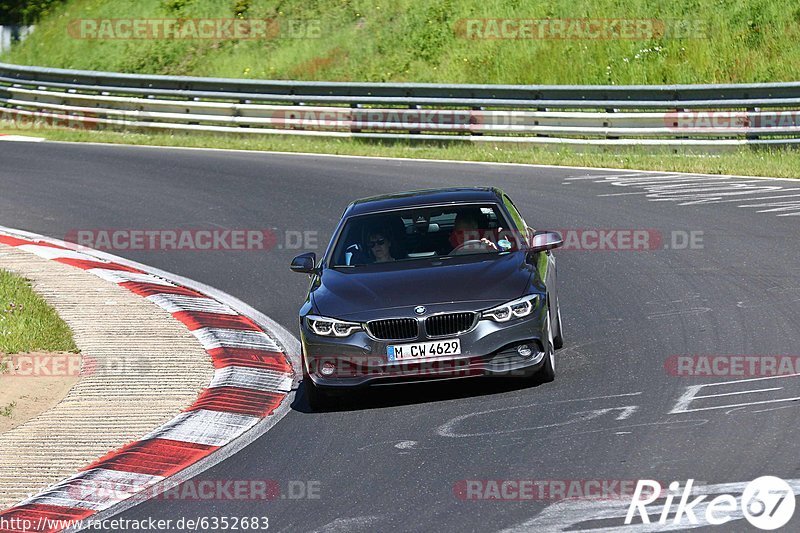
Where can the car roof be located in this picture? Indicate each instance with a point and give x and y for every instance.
(454, 195)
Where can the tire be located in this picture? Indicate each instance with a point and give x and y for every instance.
(548, 371)
(558, 337)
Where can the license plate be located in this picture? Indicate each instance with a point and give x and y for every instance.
(423, 350)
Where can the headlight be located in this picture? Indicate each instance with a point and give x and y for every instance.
(514, 309)
(330, 327)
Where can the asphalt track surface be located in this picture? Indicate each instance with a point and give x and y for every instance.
(393, 458)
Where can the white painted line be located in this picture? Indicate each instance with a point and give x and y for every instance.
(722, 200)
(695, 192)
(603, 177)
(660, 180)
(685, 399)
(252, 378)
(698, 190)
(730, 406)
(695, 187)
(48, 252)
(748, 380)
(764, 198)
(21, 138)
(683, 403)
(121, 276)
(689, 190)
(178, 302)
(212, 338)
(751, 391)
(622, 193)
(795, 206)
(214, 428)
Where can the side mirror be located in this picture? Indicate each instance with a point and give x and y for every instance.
(304, 263)
(545, 240)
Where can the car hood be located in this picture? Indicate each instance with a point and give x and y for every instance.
(475, 282)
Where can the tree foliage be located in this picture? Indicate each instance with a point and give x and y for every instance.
(17, 12)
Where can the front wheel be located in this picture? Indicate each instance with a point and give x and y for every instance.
(558, 337)
(548, 371)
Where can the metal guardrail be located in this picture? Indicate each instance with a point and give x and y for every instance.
(694, 117)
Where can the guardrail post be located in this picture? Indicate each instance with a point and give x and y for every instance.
(473, 131)
(611, 111)
(354, 129)
(536, 122)
(750, 135)
(676, 124)
(417, 108)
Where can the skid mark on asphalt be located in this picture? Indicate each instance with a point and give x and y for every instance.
(758, 305)
(666, 425)
(583, 515)
(679, 312)
(686, 299)
(437, 445)
(779, 290)
(695, 190)
(346, 525)
(448, 429)
(767, 410)
(511, 441)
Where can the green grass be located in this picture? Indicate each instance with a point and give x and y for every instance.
(410, 40)
(7, 410)
(27, 323)
(414, 41)
(776, 163)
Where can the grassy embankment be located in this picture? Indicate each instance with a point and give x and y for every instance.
(27, 324)
(412, 41)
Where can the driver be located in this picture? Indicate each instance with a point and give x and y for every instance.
(467, 228)
(379, 247)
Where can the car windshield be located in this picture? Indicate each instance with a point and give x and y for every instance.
(424, 233)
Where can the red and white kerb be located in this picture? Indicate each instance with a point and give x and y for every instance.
(252, 377)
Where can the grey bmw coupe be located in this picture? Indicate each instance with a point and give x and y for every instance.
(429, 285)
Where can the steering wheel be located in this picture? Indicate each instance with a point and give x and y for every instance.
(471, 243)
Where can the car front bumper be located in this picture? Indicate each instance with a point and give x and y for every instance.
(489, 349)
